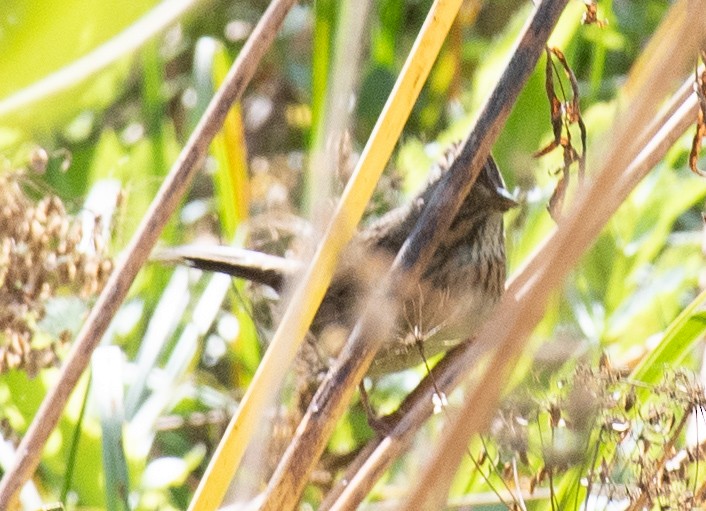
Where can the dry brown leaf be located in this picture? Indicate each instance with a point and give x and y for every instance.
(563, 114)
(700, 88)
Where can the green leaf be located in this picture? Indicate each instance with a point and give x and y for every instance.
(680, 337)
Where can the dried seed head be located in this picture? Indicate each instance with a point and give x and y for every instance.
(38, 256)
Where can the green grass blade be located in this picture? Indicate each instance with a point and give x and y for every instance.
(108, 388)
(682, 334)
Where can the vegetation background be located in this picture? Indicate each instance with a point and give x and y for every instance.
(95, 102)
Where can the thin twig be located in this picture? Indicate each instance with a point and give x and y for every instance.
(666, 449)
(134, 256)
(328, 404)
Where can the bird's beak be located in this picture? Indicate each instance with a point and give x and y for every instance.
(505, 199)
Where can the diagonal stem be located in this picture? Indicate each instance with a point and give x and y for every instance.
(523, 305)
(134, 256)
(290, 478)
(378, 455)
(309, 291)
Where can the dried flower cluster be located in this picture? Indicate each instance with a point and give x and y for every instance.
(39, 255)
(627, 441)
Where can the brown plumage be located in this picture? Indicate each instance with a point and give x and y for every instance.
(464, 280)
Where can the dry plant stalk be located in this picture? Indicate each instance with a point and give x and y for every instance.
(523, 304)
(290, 478)
(377, 456)
(135, 255)
(309, 293)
